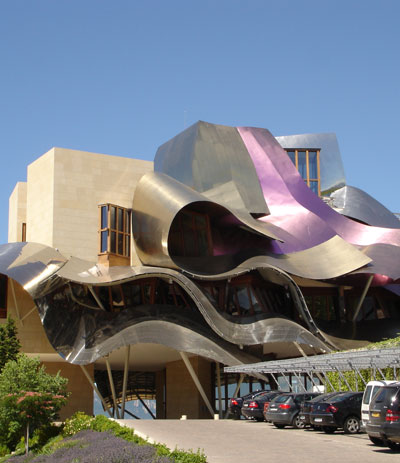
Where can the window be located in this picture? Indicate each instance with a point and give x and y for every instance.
(3, 296)
(23, 232)
(307, 163)
(115, 230)
(190, 235)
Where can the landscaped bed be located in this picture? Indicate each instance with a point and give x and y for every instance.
(84, 439)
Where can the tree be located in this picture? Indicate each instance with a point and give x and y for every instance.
(9, 343)
(29, 398)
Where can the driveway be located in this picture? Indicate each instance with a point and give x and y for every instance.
(229, 441)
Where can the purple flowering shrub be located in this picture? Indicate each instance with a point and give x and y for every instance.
(97, 447)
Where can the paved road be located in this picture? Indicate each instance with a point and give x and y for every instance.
(229, 441)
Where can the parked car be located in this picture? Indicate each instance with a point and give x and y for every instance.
(306, 407)
(383, 426)
(254, 408)
(235, 404)
(370, 391)
(343, 410)
(284, 409)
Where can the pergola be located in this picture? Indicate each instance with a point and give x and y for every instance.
(319, 365)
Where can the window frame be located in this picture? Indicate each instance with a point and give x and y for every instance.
(308, 180)
(124, 233)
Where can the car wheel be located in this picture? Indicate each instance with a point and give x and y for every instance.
(351, 425)
(393, 445)
(376, 441)
(329, 429)
(298, 423)
(278, 425)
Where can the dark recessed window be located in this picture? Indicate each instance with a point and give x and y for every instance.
(307, 163)
(3, 296)
(115, 230)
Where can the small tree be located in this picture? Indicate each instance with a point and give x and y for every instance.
(29, 398)
(9, 343)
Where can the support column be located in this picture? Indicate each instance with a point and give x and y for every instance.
(125, 380)
(106, 407)
(111, 381)
(197, 382)
(219, 390)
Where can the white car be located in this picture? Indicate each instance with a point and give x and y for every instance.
(371, 389)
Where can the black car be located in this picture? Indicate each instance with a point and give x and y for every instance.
(343, 410)
(254, 408)
(383, 427)
(284, 409)
(307, 406)
(235, 404)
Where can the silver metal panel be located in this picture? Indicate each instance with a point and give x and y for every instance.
(331, 165)
(30, 264)
(158, 199)
(206, 157)
(357, 204)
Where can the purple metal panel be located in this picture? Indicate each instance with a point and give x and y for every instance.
(294, 207)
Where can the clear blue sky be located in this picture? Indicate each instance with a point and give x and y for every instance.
(122, 77)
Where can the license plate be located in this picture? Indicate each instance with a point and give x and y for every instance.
(318, 420)
(375, 415)
(302, 417)
(273, 409)
(245, 405)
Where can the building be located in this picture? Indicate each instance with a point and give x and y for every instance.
(234, 247)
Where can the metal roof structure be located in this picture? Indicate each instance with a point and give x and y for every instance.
(339, 361)
(320, 365)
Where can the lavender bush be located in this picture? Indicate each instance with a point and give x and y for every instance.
(97, 447)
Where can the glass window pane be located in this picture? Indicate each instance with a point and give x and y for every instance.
(292, 156)
(113, 244)
(314, 187)
(120, 219)
(120, 243)
(302, 164)
(312, 164)
(243, 297)
(104, 239)
(127, 222)
(104, 218)
(127, 246)
(113, 218)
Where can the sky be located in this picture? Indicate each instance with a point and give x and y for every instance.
(122, 77)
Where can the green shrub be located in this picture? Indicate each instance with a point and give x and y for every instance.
(180, 456)
(78, 422)
(4, 450)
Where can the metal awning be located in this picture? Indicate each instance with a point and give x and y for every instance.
(339, 361)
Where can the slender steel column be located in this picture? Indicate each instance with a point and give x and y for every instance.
(145, 405)
(95, 297)
(196, 382)
(125, 380)
(111, 381)
(219, 390)
(106, 407)
(28, 313)
(360, 302)
(15, 301)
